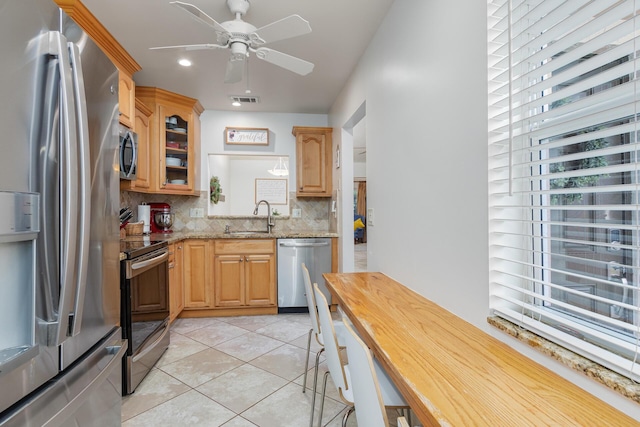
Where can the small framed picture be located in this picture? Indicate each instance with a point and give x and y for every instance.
(274, 191)
(246, 136)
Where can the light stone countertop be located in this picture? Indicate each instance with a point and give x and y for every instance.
(178, 236)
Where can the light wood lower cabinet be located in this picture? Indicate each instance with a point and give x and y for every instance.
(176, 284)
(222, 277)
(197, 273)
(245, 273)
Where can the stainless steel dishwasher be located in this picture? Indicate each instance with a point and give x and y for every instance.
(316, 254)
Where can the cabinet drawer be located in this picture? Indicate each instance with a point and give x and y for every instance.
(245, 246)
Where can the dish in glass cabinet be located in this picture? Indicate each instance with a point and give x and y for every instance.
(179, 129)
(178, 181)
(173, 161)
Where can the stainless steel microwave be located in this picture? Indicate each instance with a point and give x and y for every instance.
(128, 153)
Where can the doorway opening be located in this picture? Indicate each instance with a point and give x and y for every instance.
(360, 196)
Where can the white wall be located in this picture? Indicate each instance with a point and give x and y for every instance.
(423, 79)
(281, 141)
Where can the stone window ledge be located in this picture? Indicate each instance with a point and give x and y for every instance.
(609, 378)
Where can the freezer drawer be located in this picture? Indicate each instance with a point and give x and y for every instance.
(315, 253)
(87, 394)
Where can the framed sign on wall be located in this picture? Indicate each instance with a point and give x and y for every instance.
(274, 191)
(246, 136)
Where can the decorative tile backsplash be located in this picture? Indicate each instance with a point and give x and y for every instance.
(315, 214)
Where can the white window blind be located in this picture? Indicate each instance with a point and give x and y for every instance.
(564, 173)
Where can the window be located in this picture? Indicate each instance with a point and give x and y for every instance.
(564, 104)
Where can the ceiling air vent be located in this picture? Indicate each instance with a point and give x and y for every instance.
(245, 99)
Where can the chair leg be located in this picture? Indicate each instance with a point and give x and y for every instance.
(315, 385)
(324, 391)
(345, 418)
(306, 362)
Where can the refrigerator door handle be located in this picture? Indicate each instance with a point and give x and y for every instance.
(84, 181)
(69, 189)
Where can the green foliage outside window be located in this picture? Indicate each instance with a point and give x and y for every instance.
(578, 181)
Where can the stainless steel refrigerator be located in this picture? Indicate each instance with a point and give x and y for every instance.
(60, 343)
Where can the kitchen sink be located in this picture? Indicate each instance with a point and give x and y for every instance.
(246, 233)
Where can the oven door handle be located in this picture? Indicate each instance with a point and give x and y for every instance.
(146, 263)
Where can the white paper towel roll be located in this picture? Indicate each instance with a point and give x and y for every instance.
(144, 215)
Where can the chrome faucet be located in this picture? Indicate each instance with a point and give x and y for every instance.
(270, 223)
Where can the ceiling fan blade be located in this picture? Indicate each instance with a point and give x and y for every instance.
(191, 47)
(199, 16)
(235, 70)
(291, 63)
(285, 28)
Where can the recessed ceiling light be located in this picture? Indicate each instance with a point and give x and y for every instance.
(184, 62)
(236, 103)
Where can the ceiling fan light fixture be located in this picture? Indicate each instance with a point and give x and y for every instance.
(184, 62)
(241, 37)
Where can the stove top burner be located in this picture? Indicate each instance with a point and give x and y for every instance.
(136, 248)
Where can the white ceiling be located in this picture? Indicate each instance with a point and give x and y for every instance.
(341, 31)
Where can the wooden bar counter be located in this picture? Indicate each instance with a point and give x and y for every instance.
(451, 372)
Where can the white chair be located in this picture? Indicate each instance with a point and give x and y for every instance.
(360, 370)
(317, 331)
(371, 385)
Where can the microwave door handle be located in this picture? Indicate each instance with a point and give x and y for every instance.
(69, 188)
(122, 149)
(134, 154)
(127, 139)
(84, 212)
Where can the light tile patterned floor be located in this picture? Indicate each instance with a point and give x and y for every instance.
(233, 372)
(360, 256)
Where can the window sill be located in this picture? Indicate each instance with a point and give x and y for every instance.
(609, 378)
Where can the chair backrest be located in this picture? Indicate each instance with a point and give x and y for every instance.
(311, 302)
(331, 348)
(367, 397)
(402, 422)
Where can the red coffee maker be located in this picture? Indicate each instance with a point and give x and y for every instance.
(161, 218)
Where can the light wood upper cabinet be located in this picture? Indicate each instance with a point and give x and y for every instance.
(125, 63)
(313, 161)
(126, 99)
(174, 141)
(197, 273)
(245, 273)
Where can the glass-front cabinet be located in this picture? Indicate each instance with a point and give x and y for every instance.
(176, 165)
(175, 140)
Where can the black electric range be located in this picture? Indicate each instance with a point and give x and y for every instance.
(144, 309)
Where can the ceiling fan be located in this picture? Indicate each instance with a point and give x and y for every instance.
(240, 38)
